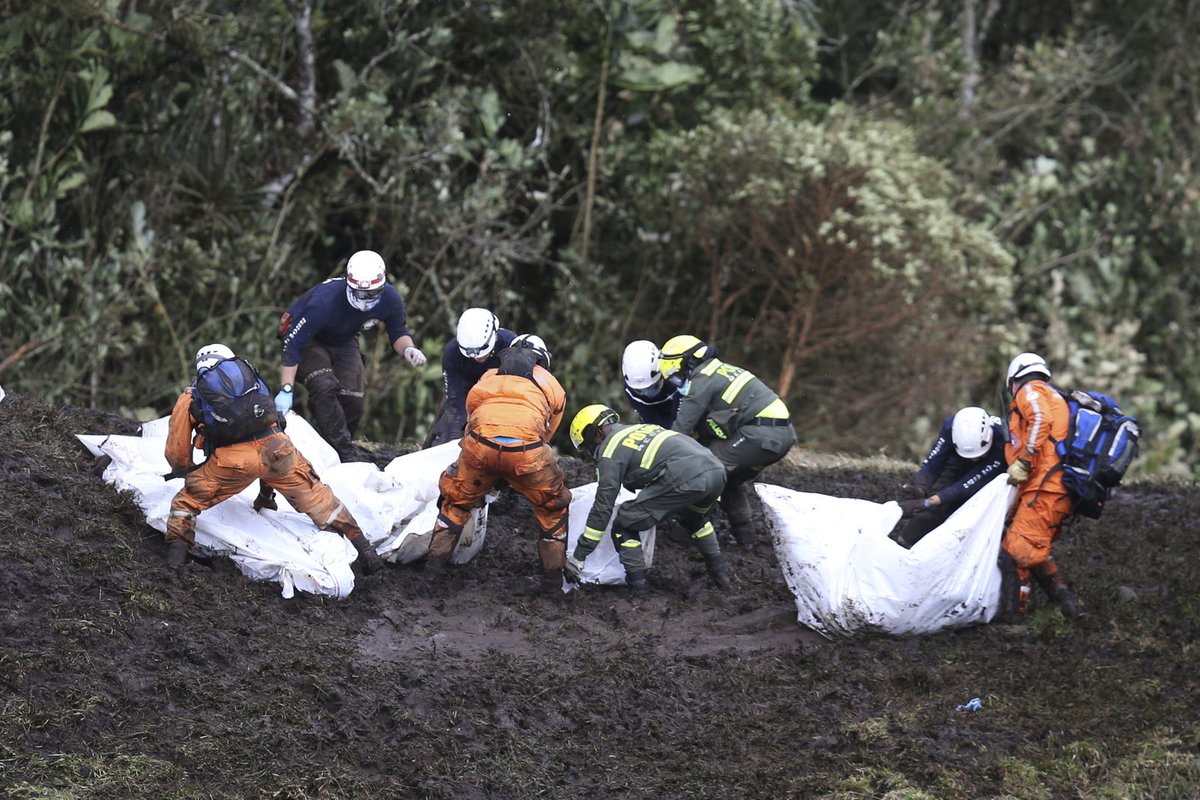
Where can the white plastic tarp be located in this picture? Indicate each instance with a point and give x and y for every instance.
(395, 507)
(603, 565)
(849, 578)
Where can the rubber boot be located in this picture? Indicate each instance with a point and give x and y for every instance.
(718, 570)
(1051, 579)
(440, 548)
(635, 579)
(1009, 590)
(367, 557)
(552, 584)
(1065, 599)
(177, 553)
(736, 504)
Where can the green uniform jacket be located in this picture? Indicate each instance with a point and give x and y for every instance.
(634, 456)
(719, 398)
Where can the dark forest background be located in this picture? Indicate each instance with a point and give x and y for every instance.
(873, 205)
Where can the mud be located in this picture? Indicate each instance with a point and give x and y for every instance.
(119, 680)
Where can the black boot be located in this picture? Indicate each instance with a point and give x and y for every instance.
(552, 584)
(735, 502)
(635, 579)
(718, 571)
(1066, 600)
(1009, 590)
(177, 553)
(367, 557)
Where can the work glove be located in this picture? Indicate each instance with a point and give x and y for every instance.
(573, 570)
(1018, 472)
(414, 356)
(912, 506)
(266, 498)
(283, 402)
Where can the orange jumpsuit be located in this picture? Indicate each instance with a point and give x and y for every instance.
(1037, 418)
(231, 468)
(510, 420)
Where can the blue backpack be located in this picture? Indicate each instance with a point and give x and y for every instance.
(1101, 442)
(232, 402)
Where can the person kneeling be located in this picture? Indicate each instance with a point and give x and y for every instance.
(675, 475)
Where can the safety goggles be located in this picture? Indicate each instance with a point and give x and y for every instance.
(366, 295)
(476, 352)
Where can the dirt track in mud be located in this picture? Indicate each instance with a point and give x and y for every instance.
(117, 680)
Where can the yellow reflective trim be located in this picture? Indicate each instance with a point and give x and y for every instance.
(707, 530)
(608, 451)
(593, 534)
(736, 385)
(652, 449)
(631, 543)
(711, 367)
(776, 410)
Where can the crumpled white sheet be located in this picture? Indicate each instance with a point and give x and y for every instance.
(602, 565)
(849, 578)
(395, 508)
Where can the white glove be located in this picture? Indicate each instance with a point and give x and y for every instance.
(1018, 472)
(573, 569)
(414, 356)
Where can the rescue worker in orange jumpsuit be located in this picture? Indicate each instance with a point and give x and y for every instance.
(512, 413)
(269, 456)
(1037, 418)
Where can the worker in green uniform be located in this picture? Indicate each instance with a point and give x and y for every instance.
(737, 416)
(673, 474)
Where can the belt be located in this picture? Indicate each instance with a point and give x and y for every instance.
(770, 422)
(271, 431)
(515, 448)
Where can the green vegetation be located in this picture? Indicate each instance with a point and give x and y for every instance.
(873, 205)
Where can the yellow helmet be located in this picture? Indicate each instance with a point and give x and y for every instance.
(586, 422)
(680, 355)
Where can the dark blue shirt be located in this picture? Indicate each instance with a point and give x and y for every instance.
(323, 314)
(963, 476)
(460, 373)
(659, 408)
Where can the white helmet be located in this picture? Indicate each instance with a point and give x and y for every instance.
(972, 431)
(476, 333)
(1026, 365)
(639, 366)
(533, 342)
(211, 354)
(366, 276)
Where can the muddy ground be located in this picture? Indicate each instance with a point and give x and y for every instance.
(117, 680)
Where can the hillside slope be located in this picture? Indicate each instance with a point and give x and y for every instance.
(119, 680)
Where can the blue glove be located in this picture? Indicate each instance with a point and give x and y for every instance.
(283, 402)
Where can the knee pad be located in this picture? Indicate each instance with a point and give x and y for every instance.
(322, 382)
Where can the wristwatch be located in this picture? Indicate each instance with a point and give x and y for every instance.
(287, 387)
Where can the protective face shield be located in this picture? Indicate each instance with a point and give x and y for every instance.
(476, 333)
(1026, 365)
(639, 367)
(679, 357)
(972, 432)
(535, 343)
(585, 425)
(211, 354)
(366, 277)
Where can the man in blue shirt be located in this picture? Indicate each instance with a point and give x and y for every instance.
(967, 454)
(475, 349)
(654, 400)
(320, 346)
